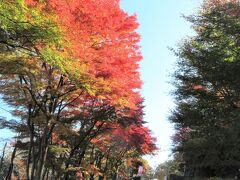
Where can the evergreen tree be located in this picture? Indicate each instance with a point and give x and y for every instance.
(208, 94)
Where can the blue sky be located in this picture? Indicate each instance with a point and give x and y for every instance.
(5, 135)
(161, 26)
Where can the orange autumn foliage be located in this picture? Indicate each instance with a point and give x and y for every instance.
(102, 38)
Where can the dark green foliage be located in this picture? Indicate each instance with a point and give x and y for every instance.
(208, 94)
(167, 168)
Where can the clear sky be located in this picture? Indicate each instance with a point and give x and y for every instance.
(161, 26)
(5, 135)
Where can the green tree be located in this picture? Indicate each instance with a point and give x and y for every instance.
(207, 94)
(167, 168)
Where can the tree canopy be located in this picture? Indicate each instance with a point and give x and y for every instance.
(69, 69)
(207, 93)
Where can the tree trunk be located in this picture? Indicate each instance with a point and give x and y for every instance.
(42, 159)
(115, 176)
(92, 177)
(9, 174)
(33, 162)
(43, 153)
(3, 154)
(30, 154)
(84, 147)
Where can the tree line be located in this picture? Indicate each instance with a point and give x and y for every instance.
(206, 117)
(70, 72)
